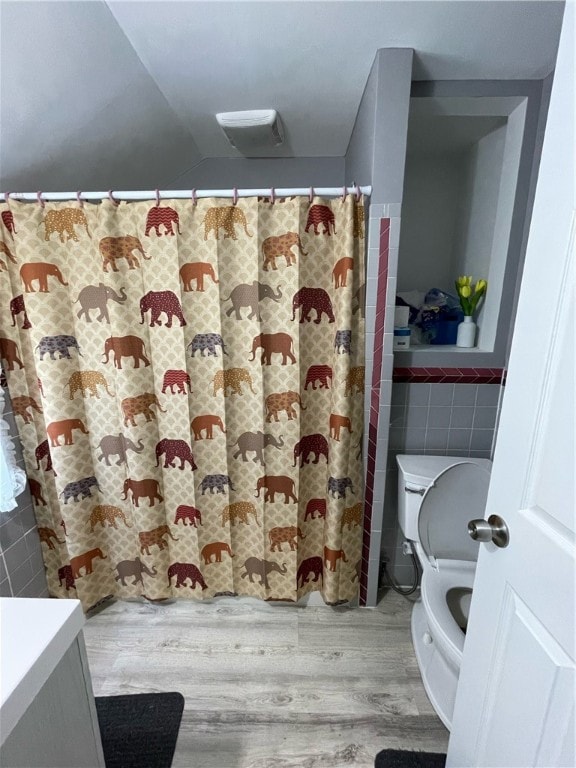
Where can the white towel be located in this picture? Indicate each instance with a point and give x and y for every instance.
(12, 478)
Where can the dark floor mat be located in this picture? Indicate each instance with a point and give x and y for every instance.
(140, 730)
(395, 758)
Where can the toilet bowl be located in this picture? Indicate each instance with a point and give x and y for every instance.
(437, 496)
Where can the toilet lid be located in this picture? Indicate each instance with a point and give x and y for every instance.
(457, 495)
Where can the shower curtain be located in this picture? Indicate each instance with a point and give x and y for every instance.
(189, 382)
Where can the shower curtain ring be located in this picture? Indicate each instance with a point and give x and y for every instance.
(40, 199)
(79, 198)
(358, 193)
(194, 201)
(272, 195)
(111, 196)
(7, 197)
(157, 198)
(344, 193)
(235, 196)
(311, 194)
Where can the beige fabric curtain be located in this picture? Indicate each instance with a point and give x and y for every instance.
(189, 384)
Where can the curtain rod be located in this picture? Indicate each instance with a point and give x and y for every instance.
(189, 194)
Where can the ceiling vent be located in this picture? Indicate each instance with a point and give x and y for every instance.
(252, 132)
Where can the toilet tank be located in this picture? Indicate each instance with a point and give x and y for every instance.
(415, 473)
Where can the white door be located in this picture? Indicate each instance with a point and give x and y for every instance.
(515, 699)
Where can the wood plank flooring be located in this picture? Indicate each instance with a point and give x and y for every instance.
(270, 686)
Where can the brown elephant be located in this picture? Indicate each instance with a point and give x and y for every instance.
(263, 568)
(336, 423)
(281, 535)
(206, 422)
(271, 343)
(85, 561)
(18, 307)
(340, 271)
(351, 516)
(196, 270)
(135, 568)
(65, 576)
(7, 252)
(155, 536)
(355, 381)
(114, 248)
(172, 450)
(188, 513)
(97, 297)
(132, 406)
(312, 566)
(274, 484)
(232, 379)
(140, 489)
(36, 492)
(331, 557)
(162, 216)
(8, 221)
(315, 506)
(183, 572)
(274, 247)
(125, 346)
(175, 377)
(282, 401)
(39, 270)
(46, 535)
(239, 510)
(41, 452)
(308, 444)
(308, 299)
(63, 221)
(158, 302)
(320, 214)
(319, 373)
(20, 405)
(105, 513)
(87, 381)
(225, 217)
(64, 428)
(215, 549)
(255, 442)
(9, 352)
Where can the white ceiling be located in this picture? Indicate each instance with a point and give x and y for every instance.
(96, 93)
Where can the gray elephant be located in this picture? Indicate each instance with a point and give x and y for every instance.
(135, 568)
(343, 342)
(206, 341)
(117, 445)
(52, 344)
(256, 567)
(80, 487)
(215, 481)
(97, 297)
(255, 441)
(248, 295)
(337, 486)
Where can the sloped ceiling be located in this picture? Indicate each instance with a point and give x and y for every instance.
(123, 94)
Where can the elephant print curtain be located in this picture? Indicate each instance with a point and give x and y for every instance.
(189, 386)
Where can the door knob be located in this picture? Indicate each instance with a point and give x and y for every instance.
(494, 529)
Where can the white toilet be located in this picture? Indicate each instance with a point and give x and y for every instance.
(437, 496)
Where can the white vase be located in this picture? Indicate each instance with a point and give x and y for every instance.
(466, 332)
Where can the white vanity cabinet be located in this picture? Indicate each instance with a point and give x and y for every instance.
(47, 712)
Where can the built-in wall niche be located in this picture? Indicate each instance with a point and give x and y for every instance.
(462, 163)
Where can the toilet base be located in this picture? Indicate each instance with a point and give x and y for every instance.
(440, 679)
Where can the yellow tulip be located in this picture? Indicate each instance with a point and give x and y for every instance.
(480, 286)
(461, 281)
(465, 291)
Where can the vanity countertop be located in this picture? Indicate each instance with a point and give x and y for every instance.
(34, 635)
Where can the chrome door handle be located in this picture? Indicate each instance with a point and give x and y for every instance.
(494, 529)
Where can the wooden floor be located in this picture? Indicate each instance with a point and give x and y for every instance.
(269, 686)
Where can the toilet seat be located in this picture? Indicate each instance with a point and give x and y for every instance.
(436, 583)
(455, 496)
